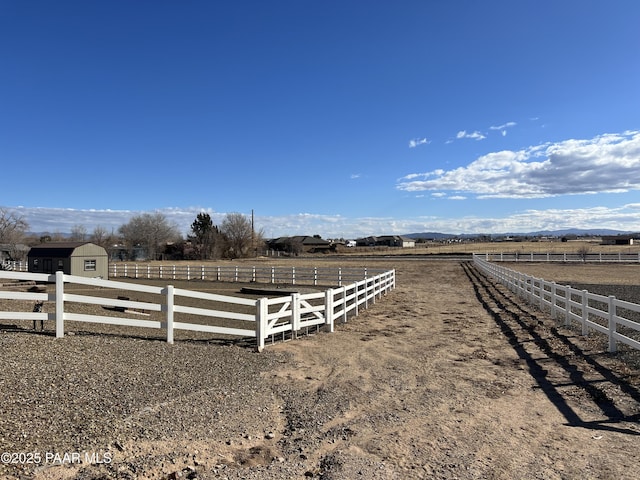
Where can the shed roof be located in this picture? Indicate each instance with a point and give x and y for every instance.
(55, 249)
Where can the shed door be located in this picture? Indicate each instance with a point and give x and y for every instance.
(47, 265)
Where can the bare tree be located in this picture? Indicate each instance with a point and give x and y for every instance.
(13, 228)
(238, 234)
(151, 231)
(583, 253)
(78, 233)
(100, 236)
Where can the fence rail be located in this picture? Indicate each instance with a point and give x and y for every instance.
(562, 257)
(618, 319)
(229, 273)
(227, 315)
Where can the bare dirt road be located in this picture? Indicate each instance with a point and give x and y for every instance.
(447, 377)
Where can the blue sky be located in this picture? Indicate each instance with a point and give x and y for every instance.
(338, 118)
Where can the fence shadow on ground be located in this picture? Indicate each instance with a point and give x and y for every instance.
(508, 311)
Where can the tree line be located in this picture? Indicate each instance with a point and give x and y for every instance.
(148, 236)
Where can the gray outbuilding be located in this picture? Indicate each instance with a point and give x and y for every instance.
(84, 259)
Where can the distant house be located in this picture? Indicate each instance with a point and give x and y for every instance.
(300, 244)
(84, 259)
(387, 241)
(618, 240)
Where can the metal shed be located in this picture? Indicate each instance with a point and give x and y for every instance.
(84, 259)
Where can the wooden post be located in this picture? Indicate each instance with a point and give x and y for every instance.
(585, 312)
(170, 305)
(344, 304)
(612, 324)
(328, 310)
(59, 304)
(295, 314)
(262, 310)
(357, 300)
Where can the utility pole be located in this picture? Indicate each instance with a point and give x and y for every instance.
(253, 236)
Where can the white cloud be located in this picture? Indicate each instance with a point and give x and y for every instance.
(355, 175)
(606, 163)
(625, 217)
(503, 128)
(418, 141)
(474, 135)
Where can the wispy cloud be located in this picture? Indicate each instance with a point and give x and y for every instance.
(606, 163)
(355, 175)
(503, 128)
(418, 141)
(473, 135)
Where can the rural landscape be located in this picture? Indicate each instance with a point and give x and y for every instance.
(330, 240)
(450, 375)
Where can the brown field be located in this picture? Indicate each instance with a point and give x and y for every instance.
(592, 246)
(446, 377)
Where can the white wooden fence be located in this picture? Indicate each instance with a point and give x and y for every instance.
(18, 266)
(618, 257)
(228, 315)
(618, 319)
(294, 275)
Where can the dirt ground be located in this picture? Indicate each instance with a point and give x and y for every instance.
(447, 377)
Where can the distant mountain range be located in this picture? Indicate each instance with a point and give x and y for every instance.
(542, 233)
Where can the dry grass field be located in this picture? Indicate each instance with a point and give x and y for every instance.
(449, 376)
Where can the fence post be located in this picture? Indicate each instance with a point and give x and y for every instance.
(262, 309)
(328, 310)
(567, 306)
(59, 304)
(344, 304)
(612, 324)
(295, 314)
(553, 300)
(585, 312)
(357, 300)
(293, 275)
(170, 305)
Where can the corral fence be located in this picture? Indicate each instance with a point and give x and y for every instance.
(170, 309)
(12, 265)
(562, 257)
(294, 275)
(618, 319)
